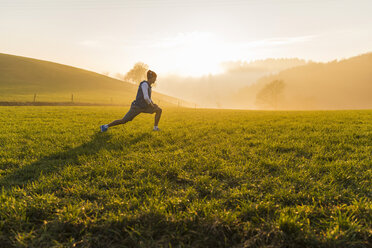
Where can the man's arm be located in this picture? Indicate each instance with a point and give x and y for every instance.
(145, 88)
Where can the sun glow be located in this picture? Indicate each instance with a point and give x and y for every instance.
(200, 53)
(191, 54)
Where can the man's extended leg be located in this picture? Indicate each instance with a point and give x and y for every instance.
(117, 122)
(128, 117)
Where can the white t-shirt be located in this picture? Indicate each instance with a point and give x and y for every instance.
(145, 88)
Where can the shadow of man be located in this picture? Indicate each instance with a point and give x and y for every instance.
(55, 162)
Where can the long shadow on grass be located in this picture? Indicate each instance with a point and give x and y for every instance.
(55, 162)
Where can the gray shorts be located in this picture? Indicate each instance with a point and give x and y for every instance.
(136, 110)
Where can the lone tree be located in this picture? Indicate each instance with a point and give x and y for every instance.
(271, 94)
(137, 73)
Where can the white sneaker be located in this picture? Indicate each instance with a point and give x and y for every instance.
(156, 129)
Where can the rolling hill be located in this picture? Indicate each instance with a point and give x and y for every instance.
(21, 78)
(344, 84)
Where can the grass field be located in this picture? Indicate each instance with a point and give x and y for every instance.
(210, 178)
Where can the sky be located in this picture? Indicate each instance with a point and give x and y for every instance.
(184, 37)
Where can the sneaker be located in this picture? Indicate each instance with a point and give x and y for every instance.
(104, 128)
(156, 129)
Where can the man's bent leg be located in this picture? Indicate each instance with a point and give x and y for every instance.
(157, 116)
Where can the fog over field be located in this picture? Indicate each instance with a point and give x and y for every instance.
(343, 84)
(216, 90)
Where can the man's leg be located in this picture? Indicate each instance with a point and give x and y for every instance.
(128, 117)
(158, 112)
(117, 122)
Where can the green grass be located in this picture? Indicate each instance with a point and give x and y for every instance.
(210, 178)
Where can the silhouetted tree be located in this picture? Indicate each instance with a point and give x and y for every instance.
(271, 94)
(137, 73)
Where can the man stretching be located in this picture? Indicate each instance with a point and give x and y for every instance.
(142, 104)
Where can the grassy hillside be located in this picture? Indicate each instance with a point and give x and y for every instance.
(345, 84)
(21, 78)
(211, 178)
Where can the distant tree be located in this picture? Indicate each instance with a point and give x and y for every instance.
(271, 94)
(137, 73)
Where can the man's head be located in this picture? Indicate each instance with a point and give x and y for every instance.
(151, 76)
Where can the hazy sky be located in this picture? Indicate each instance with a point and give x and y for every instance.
(187, 37)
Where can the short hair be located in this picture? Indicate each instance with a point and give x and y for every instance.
(151, 74)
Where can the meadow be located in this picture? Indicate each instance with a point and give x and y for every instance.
(210, 178)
